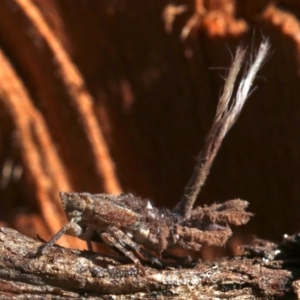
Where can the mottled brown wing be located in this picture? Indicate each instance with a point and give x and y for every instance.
(108, 213)
(127, 201)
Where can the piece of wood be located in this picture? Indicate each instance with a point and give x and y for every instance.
(72, 274)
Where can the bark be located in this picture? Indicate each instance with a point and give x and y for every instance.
(268, 271)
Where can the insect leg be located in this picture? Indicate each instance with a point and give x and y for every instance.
(72, 226)
(86, 234)
(89, 245)
(126, 241)
(112, 242)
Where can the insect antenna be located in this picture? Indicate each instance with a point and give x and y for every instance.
(228, 110)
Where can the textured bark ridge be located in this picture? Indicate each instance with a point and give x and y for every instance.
(267, 271)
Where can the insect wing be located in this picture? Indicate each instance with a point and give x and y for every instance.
(107, 212)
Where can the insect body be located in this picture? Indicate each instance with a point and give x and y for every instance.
(136, 228)
(133, 226)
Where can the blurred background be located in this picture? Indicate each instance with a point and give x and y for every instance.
(110, 96)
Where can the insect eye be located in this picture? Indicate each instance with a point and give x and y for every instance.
(72, 202)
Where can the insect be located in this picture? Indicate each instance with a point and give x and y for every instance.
(143, 232)
(134, 226)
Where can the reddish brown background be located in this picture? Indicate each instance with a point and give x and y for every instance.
(96, 96)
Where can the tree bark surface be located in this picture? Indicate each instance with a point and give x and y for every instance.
(72, 274)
